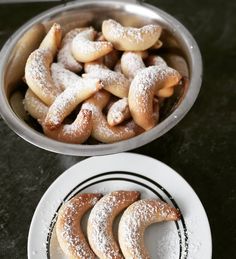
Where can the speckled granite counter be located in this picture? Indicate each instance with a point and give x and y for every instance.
(201, 147)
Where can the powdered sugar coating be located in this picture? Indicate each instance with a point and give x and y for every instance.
(39, 69)
(167, 245)
(118, 112)
(64, 102)
(69, 233)
(130, 38)
(79, 90)
(84, 49)
(77, 132)
(63, 78)
(131, 64)
(101, 219)
(38, 76)
(132, 34)
(147, 82)
(134, 222)
(65, 56)
(102, 131)
(113, 82)
(71, 35)
(90, 67)
(85, 38)
(116, 84)
(74, 128)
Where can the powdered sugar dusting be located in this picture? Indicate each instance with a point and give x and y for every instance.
(66, 58)
(71, 35)
(38, 70)
(70, 217)
(73, 129)
(102, 131)
(131, 63)
(118, 112)
(145, 84)
(65, 102)
(135, 220)
(114, 82)
(68, 100)
(94, 66)
(64, 78)
(167, 246)
(194, 243)
(132, 34)
(108, 76)
(101, 219)
(84, 42)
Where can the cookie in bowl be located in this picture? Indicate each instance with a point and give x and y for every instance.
(77, 101)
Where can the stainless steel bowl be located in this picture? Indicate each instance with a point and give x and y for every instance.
(14, 53)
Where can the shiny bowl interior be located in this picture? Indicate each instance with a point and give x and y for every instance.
(177, 40)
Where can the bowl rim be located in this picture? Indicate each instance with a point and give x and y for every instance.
(36, 138)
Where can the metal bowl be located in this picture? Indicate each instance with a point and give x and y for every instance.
(177, 41)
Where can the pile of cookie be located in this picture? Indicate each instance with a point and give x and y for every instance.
(102, 85)
(137, 216)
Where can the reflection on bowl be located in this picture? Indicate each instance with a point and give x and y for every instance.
(179, 50)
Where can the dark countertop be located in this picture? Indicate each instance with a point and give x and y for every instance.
(201, 147)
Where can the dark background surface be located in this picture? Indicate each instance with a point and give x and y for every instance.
(201, 147)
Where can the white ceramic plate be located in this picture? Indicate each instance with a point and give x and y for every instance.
(189, 238)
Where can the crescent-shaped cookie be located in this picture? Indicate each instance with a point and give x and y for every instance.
(38, 76)
(37, 70)
(78, 90)
(114, 82)
(100, 222)
(69, 233)
(85, 49)
(136, 218)
(144, 87)
(65, 56)
(154, 60)
(132, 63)
(101, 130)
(118, 112)
(130, 38)
(77, 132)
(63, 78)
(112, 57)
(52, 40)
(34, 106)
